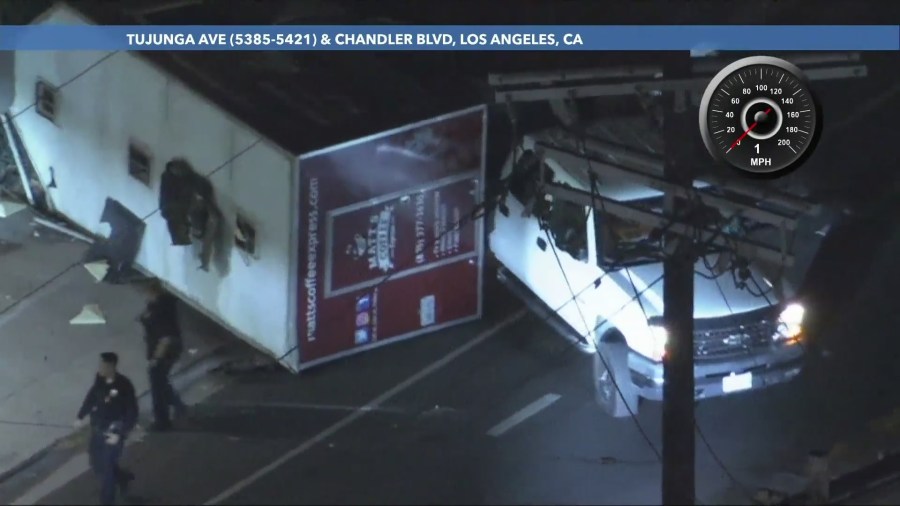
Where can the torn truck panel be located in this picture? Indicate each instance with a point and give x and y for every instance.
(381, 257)
(187, 202)
(121, 247)
(30, 182)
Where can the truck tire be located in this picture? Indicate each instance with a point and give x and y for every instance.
(614, 391)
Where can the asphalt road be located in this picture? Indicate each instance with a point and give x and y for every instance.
(438, 441)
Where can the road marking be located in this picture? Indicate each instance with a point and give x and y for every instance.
(299, 406)
(374, 403)
(73, 468)
(523, 414)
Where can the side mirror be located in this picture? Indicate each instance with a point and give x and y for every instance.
(542, 243)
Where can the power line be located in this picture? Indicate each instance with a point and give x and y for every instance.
(63, 85)
(714, 277)
(715, 456)
(700, 433)
(7, 120)
(94, 65)
(38, 288)
(217, 169)
(60, 87)
(709, 447)
(712, 452)
(693, 192)
(743, 488)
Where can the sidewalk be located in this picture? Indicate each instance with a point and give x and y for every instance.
(46, 364)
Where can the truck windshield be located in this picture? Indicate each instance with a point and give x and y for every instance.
(621, 240)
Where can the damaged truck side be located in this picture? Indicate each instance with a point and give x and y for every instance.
(580, 236)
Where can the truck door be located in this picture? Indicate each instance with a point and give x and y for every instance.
(572, 266)
(531, 233)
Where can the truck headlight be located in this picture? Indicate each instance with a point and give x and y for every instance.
(790, 322)
(660, 337)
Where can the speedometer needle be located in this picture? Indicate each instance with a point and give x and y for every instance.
(739, 139)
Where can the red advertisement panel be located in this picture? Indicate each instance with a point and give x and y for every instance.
(382, 256)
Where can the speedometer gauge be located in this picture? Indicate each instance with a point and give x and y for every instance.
(759, 115)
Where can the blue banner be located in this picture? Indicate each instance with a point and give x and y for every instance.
(453, 38)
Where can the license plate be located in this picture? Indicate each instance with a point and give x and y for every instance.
(737, 382)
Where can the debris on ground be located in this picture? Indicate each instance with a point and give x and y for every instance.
(90, 315)
(9, 208)
(97, 269)
(256, 364)
(63, 229)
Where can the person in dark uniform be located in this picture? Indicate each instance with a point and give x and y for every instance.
(164, 346)
(113, 409)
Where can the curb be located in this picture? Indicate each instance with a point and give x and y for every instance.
(182, 377)
(857, 483)
(30, 461)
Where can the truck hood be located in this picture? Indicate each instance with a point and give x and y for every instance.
(712, 297)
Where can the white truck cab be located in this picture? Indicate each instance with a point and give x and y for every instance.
(747, 334)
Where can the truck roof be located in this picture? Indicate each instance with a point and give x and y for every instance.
(300, 100)
(635, 134)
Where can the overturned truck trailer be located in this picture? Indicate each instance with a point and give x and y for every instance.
(385, 249)
(306, 257)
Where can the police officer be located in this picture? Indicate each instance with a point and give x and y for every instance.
(113, 409)
(162, 335)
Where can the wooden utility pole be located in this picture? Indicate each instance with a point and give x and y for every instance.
(678, 299)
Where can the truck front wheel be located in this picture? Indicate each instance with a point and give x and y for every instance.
(612, 383)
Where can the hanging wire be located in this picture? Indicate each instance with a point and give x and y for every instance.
(63, 85)
(612, 377)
